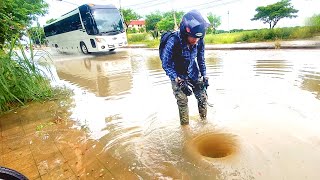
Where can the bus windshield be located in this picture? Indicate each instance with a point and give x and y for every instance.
(108, 20)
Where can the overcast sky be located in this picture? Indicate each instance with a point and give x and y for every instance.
(235, 14)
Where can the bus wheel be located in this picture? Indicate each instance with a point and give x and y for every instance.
(111, 50)
(84, 48)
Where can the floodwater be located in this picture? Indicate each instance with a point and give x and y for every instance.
(122, 120)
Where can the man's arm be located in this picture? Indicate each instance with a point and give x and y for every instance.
(167, 61)
(200, 58)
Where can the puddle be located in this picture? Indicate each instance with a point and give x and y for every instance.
(122, 121)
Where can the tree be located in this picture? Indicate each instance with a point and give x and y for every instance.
(272, 13)
(152, 20)
(129, 15)
(151, 23)
(36, 34)
(314, 23)
(167, 21)
(215, 22)
(16, 15)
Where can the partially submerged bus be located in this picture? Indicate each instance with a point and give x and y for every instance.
(88, 28)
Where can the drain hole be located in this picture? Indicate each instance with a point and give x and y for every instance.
(214, 145)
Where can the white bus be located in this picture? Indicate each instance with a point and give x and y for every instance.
(89, 28)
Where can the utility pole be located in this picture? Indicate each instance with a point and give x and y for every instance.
(174, 16)
(68, 2)
(228, 22)
(175, 20)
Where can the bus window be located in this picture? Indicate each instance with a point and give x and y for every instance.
(108, 20)
(88, 21)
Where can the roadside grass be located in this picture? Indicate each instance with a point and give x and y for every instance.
(225, 38)
(262, 35)
(21, 80)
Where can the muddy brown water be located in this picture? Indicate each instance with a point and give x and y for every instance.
(122, 121)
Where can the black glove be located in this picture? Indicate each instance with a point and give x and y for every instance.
(185, 88)
(205, 82)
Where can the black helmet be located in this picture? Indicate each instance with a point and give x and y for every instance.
(195, 22)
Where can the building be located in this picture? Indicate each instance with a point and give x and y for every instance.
(137, 24)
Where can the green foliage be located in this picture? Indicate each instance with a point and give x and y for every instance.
(155, 34)
(132, 30)
(16, 15)
(239, 35)
(152, 20)
(314, 23)
(167, 21)
(50, 20)
(301, 33)
(152, 43)
(142, 30)
(20, 79)
(156, 22)
(315, 20)
(137, 37)
(272, 13)
(276, 34)
(36, 34)
(129, 15)
(215, 22)
(225, 38)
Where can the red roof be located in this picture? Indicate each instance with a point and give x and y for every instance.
(137, 22)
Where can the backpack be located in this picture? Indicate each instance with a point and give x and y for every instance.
(163, 40)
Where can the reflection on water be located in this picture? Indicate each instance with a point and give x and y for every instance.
(311, 82)
(275, 68)
(123, 123)
(103, 75)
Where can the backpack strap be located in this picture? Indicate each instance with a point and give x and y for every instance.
(165, 40)
(176, 45)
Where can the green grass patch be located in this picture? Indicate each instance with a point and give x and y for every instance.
(138, 37)
(21, 80)
(225, 38)
(262, 35)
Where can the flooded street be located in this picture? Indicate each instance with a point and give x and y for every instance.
(122, 121)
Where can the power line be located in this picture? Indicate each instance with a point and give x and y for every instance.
(151, 5)
(139, 3)
(142, 3)
(199, 4)
(219, 4)
(207, 7)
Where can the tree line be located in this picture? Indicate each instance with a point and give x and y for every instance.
(270, 14)
(17, 17)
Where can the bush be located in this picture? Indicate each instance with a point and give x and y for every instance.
(139, 37)
(20, 79)
(153, 43)
(314, 23)
(225, 38)
(301, 33)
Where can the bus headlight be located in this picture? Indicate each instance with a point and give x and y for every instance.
(100, 40)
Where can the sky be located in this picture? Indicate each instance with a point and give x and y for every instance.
(235, 14)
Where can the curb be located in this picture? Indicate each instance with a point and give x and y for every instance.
(239, 48)
(263, 47)
(257, 46)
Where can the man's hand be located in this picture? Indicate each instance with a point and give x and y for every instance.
(205, 81)
(178, 80)
(183, 84)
